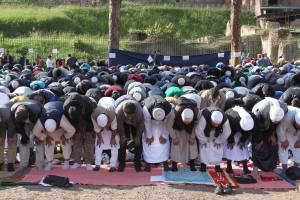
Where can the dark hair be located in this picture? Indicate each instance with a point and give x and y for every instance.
(268, 91)
(74, 113)
(295, 102)
(130, 108)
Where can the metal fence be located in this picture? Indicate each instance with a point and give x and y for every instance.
(92, 47)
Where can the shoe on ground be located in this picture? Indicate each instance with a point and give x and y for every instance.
(89, 167)
(228, 189)
(97, 168)
(75, 166)
(112, 169)
(66, 165)
(219, 190)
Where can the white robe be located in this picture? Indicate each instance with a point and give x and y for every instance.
(236, 154)
(211, 154)
(156, 152)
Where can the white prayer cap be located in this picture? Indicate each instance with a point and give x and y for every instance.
(102, 120)
(50, 125)
(276, 114)
(187, 115)
(158, 114)
(280, 81)
(243, 91)
(229, 94)
(297, 116)
(77, 80)
(228, 73)
(15, 84)
(94, 79)
(181, 81)
(107, 101)
(23, 91)
(137, 96)
(247, 123)
(4, 98)
(217, 117)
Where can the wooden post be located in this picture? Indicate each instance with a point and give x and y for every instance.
(235, 23)
(114, 23)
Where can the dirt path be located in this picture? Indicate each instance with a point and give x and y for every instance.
(140, 193)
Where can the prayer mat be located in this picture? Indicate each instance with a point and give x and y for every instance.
(80, 176)
(185, 175)
(222, 177)
(266, 180)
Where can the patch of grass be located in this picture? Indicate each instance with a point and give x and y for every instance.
(189, 22)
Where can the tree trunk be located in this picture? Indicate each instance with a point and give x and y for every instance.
(114, 23)
(236, 6)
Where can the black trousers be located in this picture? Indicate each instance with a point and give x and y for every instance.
(130, 134)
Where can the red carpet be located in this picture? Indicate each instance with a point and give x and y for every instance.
(102, 177)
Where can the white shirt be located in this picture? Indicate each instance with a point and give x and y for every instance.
(49, 63)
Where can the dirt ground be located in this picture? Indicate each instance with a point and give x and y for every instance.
(139, 193)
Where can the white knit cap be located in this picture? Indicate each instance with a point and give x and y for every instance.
(243, 91)
(217, 117)
(229, 94)
(187, 115)
(50, 125)
(158, 114)
(297, 116)
(102, 120)
(181, 81)
(94, 79)
(276, 114)
(15, 84)
(4, 98)
(77, 80)
(137, 96)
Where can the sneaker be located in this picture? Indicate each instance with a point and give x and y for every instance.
(66, 165)
(112, 169)
(228, 189)
(219, 189)
(97, 168)
(75, 166)
(88, 167)
(55, 161)
(10, 167)
(48, 167)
